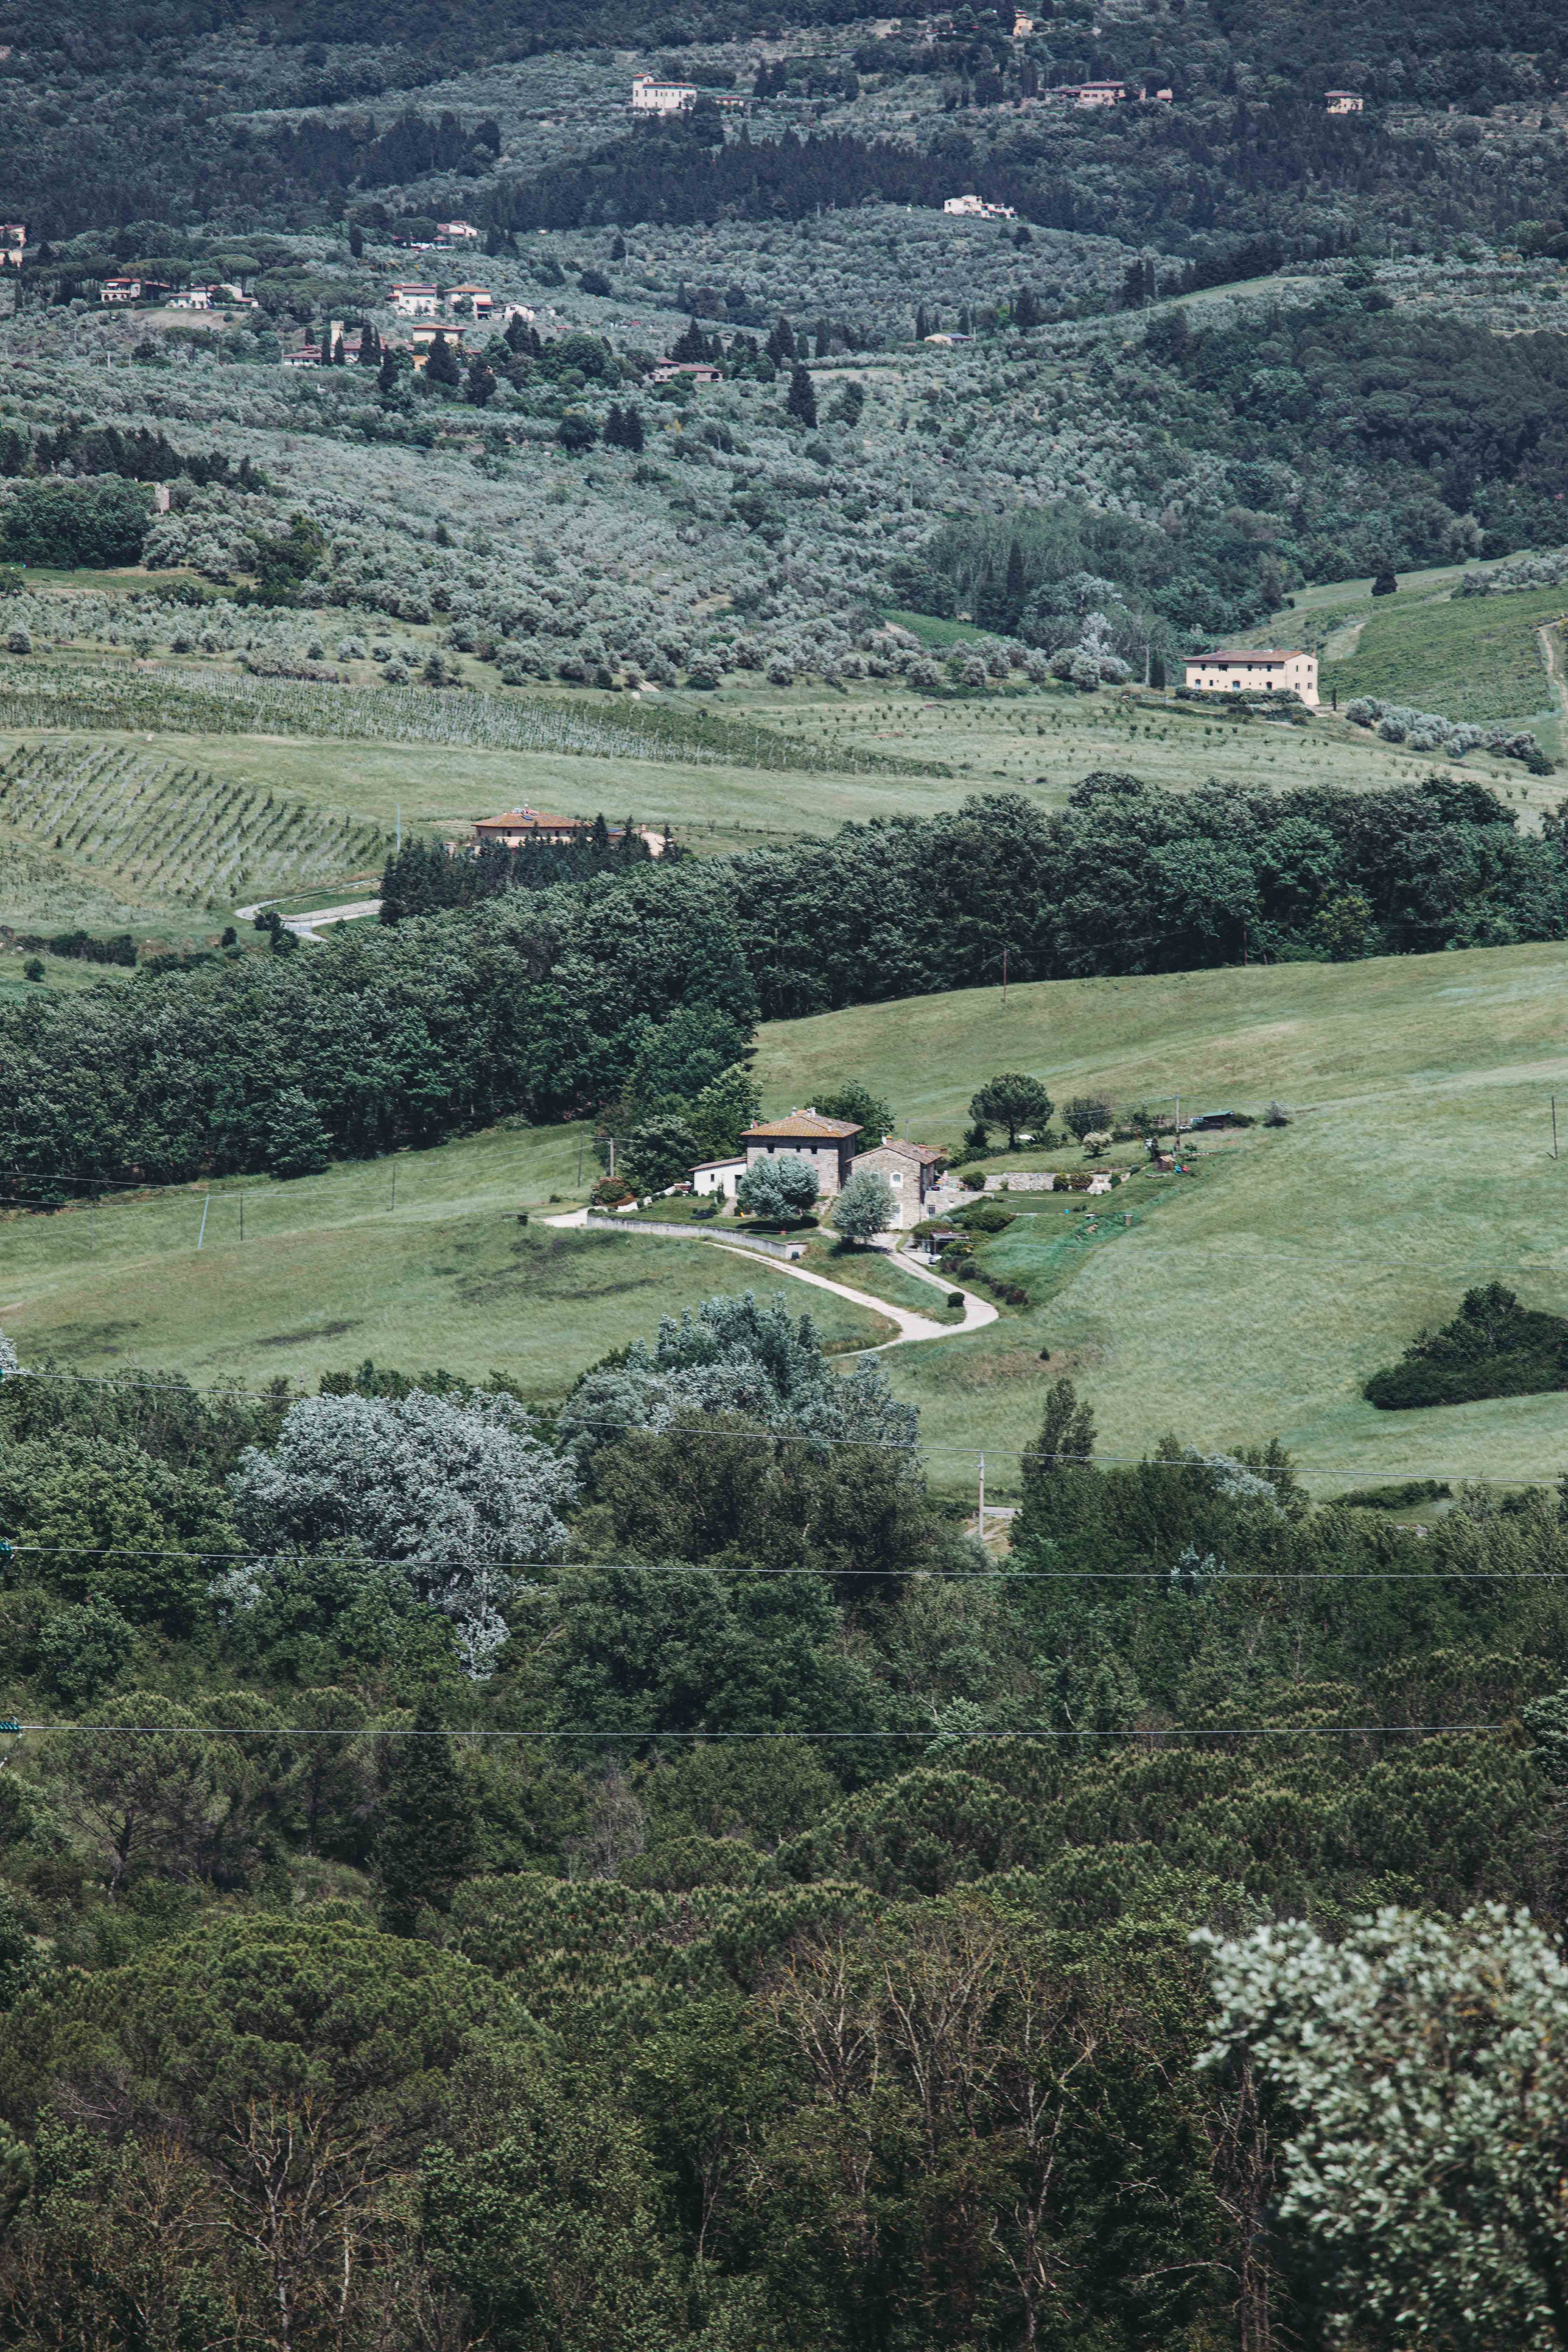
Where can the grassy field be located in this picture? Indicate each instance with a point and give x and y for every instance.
(329, 1272)
(1467, 657)
(1253, 1298)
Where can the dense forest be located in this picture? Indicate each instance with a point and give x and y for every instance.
(647, 1878)
(546, 1000)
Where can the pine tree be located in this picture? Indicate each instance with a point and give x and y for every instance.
(619, 250)
(780, 344)
(802, 401)
(634, 439)
(823, 340)
(922, 326)
(517, 332)
(356, 240)
(424, 1845)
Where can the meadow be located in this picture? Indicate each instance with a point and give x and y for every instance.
(418, 1261)
(1248, 1299)
(1253, 1298)
(1467, 657)
(211, 820)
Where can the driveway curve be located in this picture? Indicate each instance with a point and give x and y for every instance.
(909, 1327)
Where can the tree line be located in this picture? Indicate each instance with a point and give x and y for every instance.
(542, 1000)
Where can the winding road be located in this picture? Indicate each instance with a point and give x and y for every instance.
(911, 1326)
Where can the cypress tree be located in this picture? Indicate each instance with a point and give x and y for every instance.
(425, 1844)
(802, 401)
(441, 367)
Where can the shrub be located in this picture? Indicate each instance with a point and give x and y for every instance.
(612, 1192)
(18, 642)
(1276, 1116)
(1493, 1348)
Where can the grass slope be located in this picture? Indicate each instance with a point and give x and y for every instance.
(1257, 1298)
(327, 1274)
(1467, 657)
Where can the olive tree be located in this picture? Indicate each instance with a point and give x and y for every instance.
(456, 1495)
(1427, 2063)
(864, 1208)
(785, 1187)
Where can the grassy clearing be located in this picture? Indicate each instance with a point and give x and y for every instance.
(329, 1273)
(1255, 1298)
(1468, 657)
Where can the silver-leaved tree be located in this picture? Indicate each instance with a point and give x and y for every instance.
(1427, 2063)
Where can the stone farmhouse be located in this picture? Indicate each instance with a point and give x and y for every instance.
(525, 825)
(1263, 671)
(913, 1171)
(826, 1144)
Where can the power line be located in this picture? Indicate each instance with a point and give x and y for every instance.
(1047, 1731)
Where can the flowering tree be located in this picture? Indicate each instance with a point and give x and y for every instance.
(1428, 2060)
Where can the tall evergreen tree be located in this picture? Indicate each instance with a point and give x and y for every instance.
(441, 367)
(802, 401)
(426, 1842)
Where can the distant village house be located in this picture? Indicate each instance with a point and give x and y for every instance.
(689, 371)
(458, 232)
(1264, 672)
(415, 301)
(976, 208)
(651, 96)
(1101, 93)
(1343, 102)
(13, 241)
(121, 289)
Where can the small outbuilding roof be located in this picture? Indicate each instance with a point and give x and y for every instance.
(925, 1153)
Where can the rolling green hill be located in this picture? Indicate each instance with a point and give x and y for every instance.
(1257, 1296)
(1466, 656)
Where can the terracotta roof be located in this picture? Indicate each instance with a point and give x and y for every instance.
(801, 1124)
(516, 818)
(924, 1152)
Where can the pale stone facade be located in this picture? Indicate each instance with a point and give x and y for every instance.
(1265, 671)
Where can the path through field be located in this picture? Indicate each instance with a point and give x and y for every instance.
(977, 1312)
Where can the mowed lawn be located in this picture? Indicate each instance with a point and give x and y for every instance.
(329, 1272)
(1253, 1299)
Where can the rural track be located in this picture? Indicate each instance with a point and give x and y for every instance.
(1551, 645)
(910, 1328)
(304, 926)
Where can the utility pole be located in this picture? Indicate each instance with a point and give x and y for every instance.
(207, 1205)
(1003, 975)
(1554, 1127)
(980, 1520)
(394, 1184)
(242, 1213)
(579, 1163)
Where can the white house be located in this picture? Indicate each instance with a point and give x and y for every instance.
(1267, 671)
(972, 207)
(194, 298)
(718, 1176)
(121, 289)
(651, 96)
(13, 242)
(1101, 93)
(480, 300)
(415, 301)
(458, 232)
(1343, 102)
